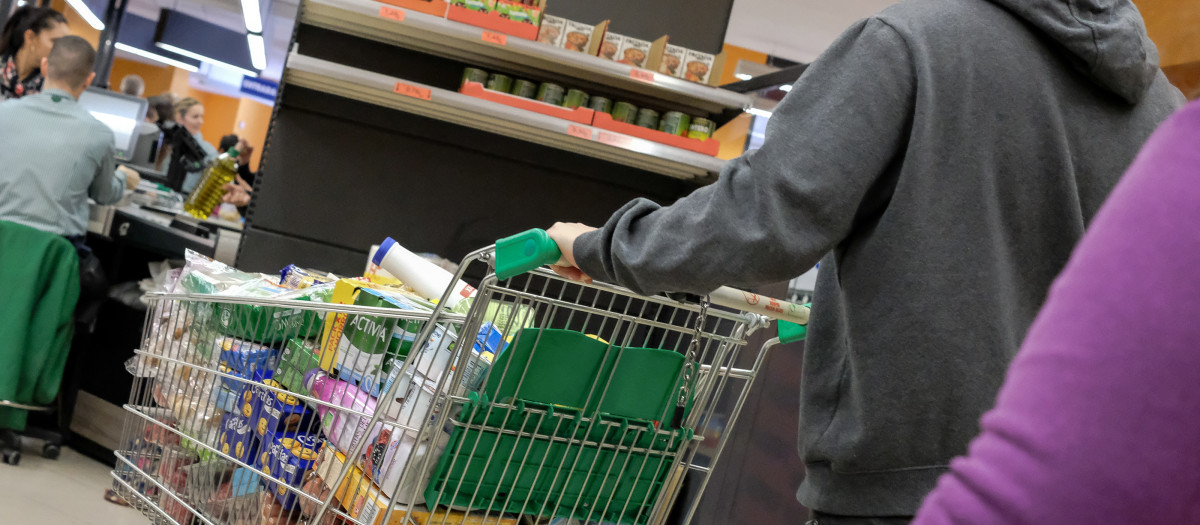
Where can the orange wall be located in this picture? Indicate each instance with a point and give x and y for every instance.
(251, 124)
(1174, 26)
(78, 26)
(158, 78)
(733, 136)
(732, 55)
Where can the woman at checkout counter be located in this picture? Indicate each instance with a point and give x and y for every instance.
(189, 113)
(27, 38)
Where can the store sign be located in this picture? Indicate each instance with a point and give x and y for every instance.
(260, 88)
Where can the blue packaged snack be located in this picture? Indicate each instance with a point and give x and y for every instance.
(237, 438)
(289, 458)
(244, 357)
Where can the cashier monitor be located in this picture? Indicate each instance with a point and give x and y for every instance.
(125, 115)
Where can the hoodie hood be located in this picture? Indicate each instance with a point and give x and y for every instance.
(1107, 38)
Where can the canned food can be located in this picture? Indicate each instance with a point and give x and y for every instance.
(474, 74)
(625, 112)
(675, 123)
(647, 118)
(550, 93)
(701, 128)
(600, 104)
(525, 89)
(498, 82)
(575, 98)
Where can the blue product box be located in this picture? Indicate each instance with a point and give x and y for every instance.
(289, 457)
(237, 437)
(246, 357)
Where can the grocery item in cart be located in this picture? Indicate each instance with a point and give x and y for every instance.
(295, 277)
(342, 429)
(369, 343)
(279, 412)
(426, 278)
(290, 459)
(389, 455)
(298, 357)
(245, 357)
(237, 437)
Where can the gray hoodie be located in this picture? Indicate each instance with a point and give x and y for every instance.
(944, 157)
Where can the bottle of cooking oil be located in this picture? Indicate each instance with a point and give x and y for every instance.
(206, 196)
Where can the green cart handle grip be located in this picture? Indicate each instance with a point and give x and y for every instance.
(525, 251)
(791, 332)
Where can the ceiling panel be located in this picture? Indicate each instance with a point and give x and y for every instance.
(795, 29)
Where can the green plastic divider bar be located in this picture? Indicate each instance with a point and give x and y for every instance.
(523, 252)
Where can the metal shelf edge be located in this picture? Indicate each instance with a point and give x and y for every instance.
(452, 39)
(450, 106)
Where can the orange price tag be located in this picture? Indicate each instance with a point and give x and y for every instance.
(642, 75)
(613, 139)
(413, 91)
(391, 13)
(579, 131)
(495, 38)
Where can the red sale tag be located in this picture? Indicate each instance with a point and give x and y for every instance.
(391, 13)
(413, 91)
(495, 38)
(613, 139)
(579, 131)
(642, 75)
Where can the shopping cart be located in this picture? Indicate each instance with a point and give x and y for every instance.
(546, 401)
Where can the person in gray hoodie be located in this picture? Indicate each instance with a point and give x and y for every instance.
(944, 156)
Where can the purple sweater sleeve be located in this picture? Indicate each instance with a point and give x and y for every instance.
(1099, 418)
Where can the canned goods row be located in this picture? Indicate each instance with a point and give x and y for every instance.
(673, 122)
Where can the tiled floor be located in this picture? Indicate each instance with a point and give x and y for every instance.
(67, 491)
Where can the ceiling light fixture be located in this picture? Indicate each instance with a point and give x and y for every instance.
(252, 15)
(786, 88)
(258, 51)
(743, 76)
(203, 58)
(759, 112)
(156, 57)
(87, 14)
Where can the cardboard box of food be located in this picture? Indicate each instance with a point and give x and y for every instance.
(633, 52)
(474, 5)
(671, 62)
(697, 66)
(237, 437)
(584, 38)
(298, 357)
(551, 31)
(611, 44)
(363, 500)
(288, 458)
(519, 12)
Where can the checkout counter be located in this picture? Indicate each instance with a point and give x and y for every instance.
(147, 226)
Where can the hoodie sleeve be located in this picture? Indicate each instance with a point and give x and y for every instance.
(775, 211)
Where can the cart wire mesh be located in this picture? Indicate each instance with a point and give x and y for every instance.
(538, 400)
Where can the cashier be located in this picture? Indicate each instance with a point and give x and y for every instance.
(189, 113)
(55, 153)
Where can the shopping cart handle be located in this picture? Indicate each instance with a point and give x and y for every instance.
(523, 252)
(791, 332)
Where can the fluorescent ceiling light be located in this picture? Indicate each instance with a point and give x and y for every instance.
(156, 57)
(786, 88)
(258, 51)
(759, 112)
(203, 58)
(87, 14)
(250, 12)
(743, 76)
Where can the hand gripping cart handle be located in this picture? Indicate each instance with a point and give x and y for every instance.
(534, 248)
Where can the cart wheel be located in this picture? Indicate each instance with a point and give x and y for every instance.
(51, 451)
(12, 457)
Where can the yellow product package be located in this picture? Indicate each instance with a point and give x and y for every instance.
(363, 500)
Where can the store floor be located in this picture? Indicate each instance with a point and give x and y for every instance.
(67, 491)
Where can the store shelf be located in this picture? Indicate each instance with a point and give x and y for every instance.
(449, 106)
(450, 39)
